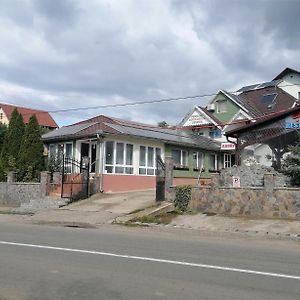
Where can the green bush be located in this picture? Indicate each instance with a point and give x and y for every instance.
(183, 195)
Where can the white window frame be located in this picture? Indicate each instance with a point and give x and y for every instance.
(123, 165)
(182, 164)
(199, 158)
(148, 169)
(216, 162)
(219, 111)
(227, 160)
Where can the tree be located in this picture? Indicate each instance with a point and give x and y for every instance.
(12, 141)
(3, 129)
(31, 159)
(291, 165)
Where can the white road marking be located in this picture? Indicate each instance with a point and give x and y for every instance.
(166, 261)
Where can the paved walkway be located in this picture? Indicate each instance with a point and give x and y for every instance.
(99, 209)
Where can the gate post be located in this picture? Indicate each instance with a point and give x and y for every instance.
(86, 174)
(45, 183)
(169, 166)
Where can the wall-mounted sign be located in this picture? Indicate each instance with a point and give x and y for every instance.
(293, 121)
(227, 146)
(236, 181)
(196, 119)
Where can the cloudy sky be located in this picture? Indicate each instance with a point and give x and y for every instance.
(58, 54)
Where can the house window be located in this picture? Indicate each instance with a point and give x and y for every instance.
(215, 133)
(68, 150)
(1, 116)
(147, 162)
(227, 160)
(221, 106)
(198, 160)
(214, 162)
(180, 157)
(118, 158)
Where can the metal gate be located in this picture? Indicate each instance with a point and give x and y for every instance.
(75, 178)
(160, 179)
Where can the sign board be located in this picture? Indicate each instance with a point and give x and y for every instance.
(293, 121)
(196, 119)
(227, 146)
(236, 181)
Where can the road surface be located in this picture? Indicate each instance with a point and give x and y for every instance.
(41, 262)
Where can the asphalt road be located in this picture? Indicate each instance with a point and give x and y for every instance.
(40, 262)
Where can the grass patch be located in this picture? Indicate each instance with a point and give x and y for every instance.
(164, 218)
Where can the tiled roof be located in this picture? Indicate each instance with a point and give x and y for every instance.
(208, 113)
(107, 125)
(244, 103)
(264, 119)
(43, 117)
(282, 101)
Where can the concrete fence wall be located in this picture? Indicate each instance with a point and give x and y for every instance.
(15, 193)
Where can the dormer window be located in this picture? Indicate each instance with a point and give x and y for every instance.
(221, 106)
(268, 99)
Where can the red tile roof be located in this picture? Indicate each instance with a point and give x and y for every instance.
(282, 101)
(43, 117)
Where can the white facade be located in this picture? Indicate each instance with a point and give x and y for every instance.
(291, 84)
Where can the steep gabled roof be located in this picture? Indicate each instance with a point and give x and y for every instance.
(43, 117)
(285, 72)
(243, 103)
(282, 100)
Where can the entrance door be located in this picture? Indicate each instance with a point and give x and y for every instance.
(85, 147)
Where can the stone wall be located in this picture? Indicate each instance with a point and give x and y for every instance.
(267, 201)
(252, 176)
(15, 193)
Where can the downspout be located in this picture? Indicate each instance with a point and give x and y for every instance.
(100, 137)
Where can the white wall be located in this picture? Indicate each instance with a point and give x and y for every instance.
(288, 84)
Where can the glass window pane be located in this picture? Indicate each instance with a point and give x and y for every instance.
(129, 170)
(109, 169)
(200, 160)
(176, 155)
(158, 152)
(142, 171)
(184, 158)
(120, 154)
(211, 161)
(109, 153)
(119, 170)
(150, 171)
(150, 157)
(142, 156)
(195, 159)
(69, 150)
(129, 155)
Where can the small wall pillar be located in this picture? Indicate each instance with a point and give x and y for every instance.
(169, 166)
(45, 183)
(269, 182)
(11, 177)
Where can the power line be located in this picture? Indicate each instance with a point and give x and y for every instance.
(141, 102)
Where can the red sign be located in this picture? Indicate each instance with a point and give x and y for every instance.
(227, 146)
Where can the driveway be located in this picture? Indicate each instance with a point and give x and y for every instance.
(99, 209)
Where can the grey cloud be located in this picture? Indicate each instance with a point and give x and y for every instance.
(99, 52)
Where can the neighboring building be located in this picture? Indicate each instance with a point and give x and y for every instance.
(44, 118)
(228, 111)
(124, 153)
